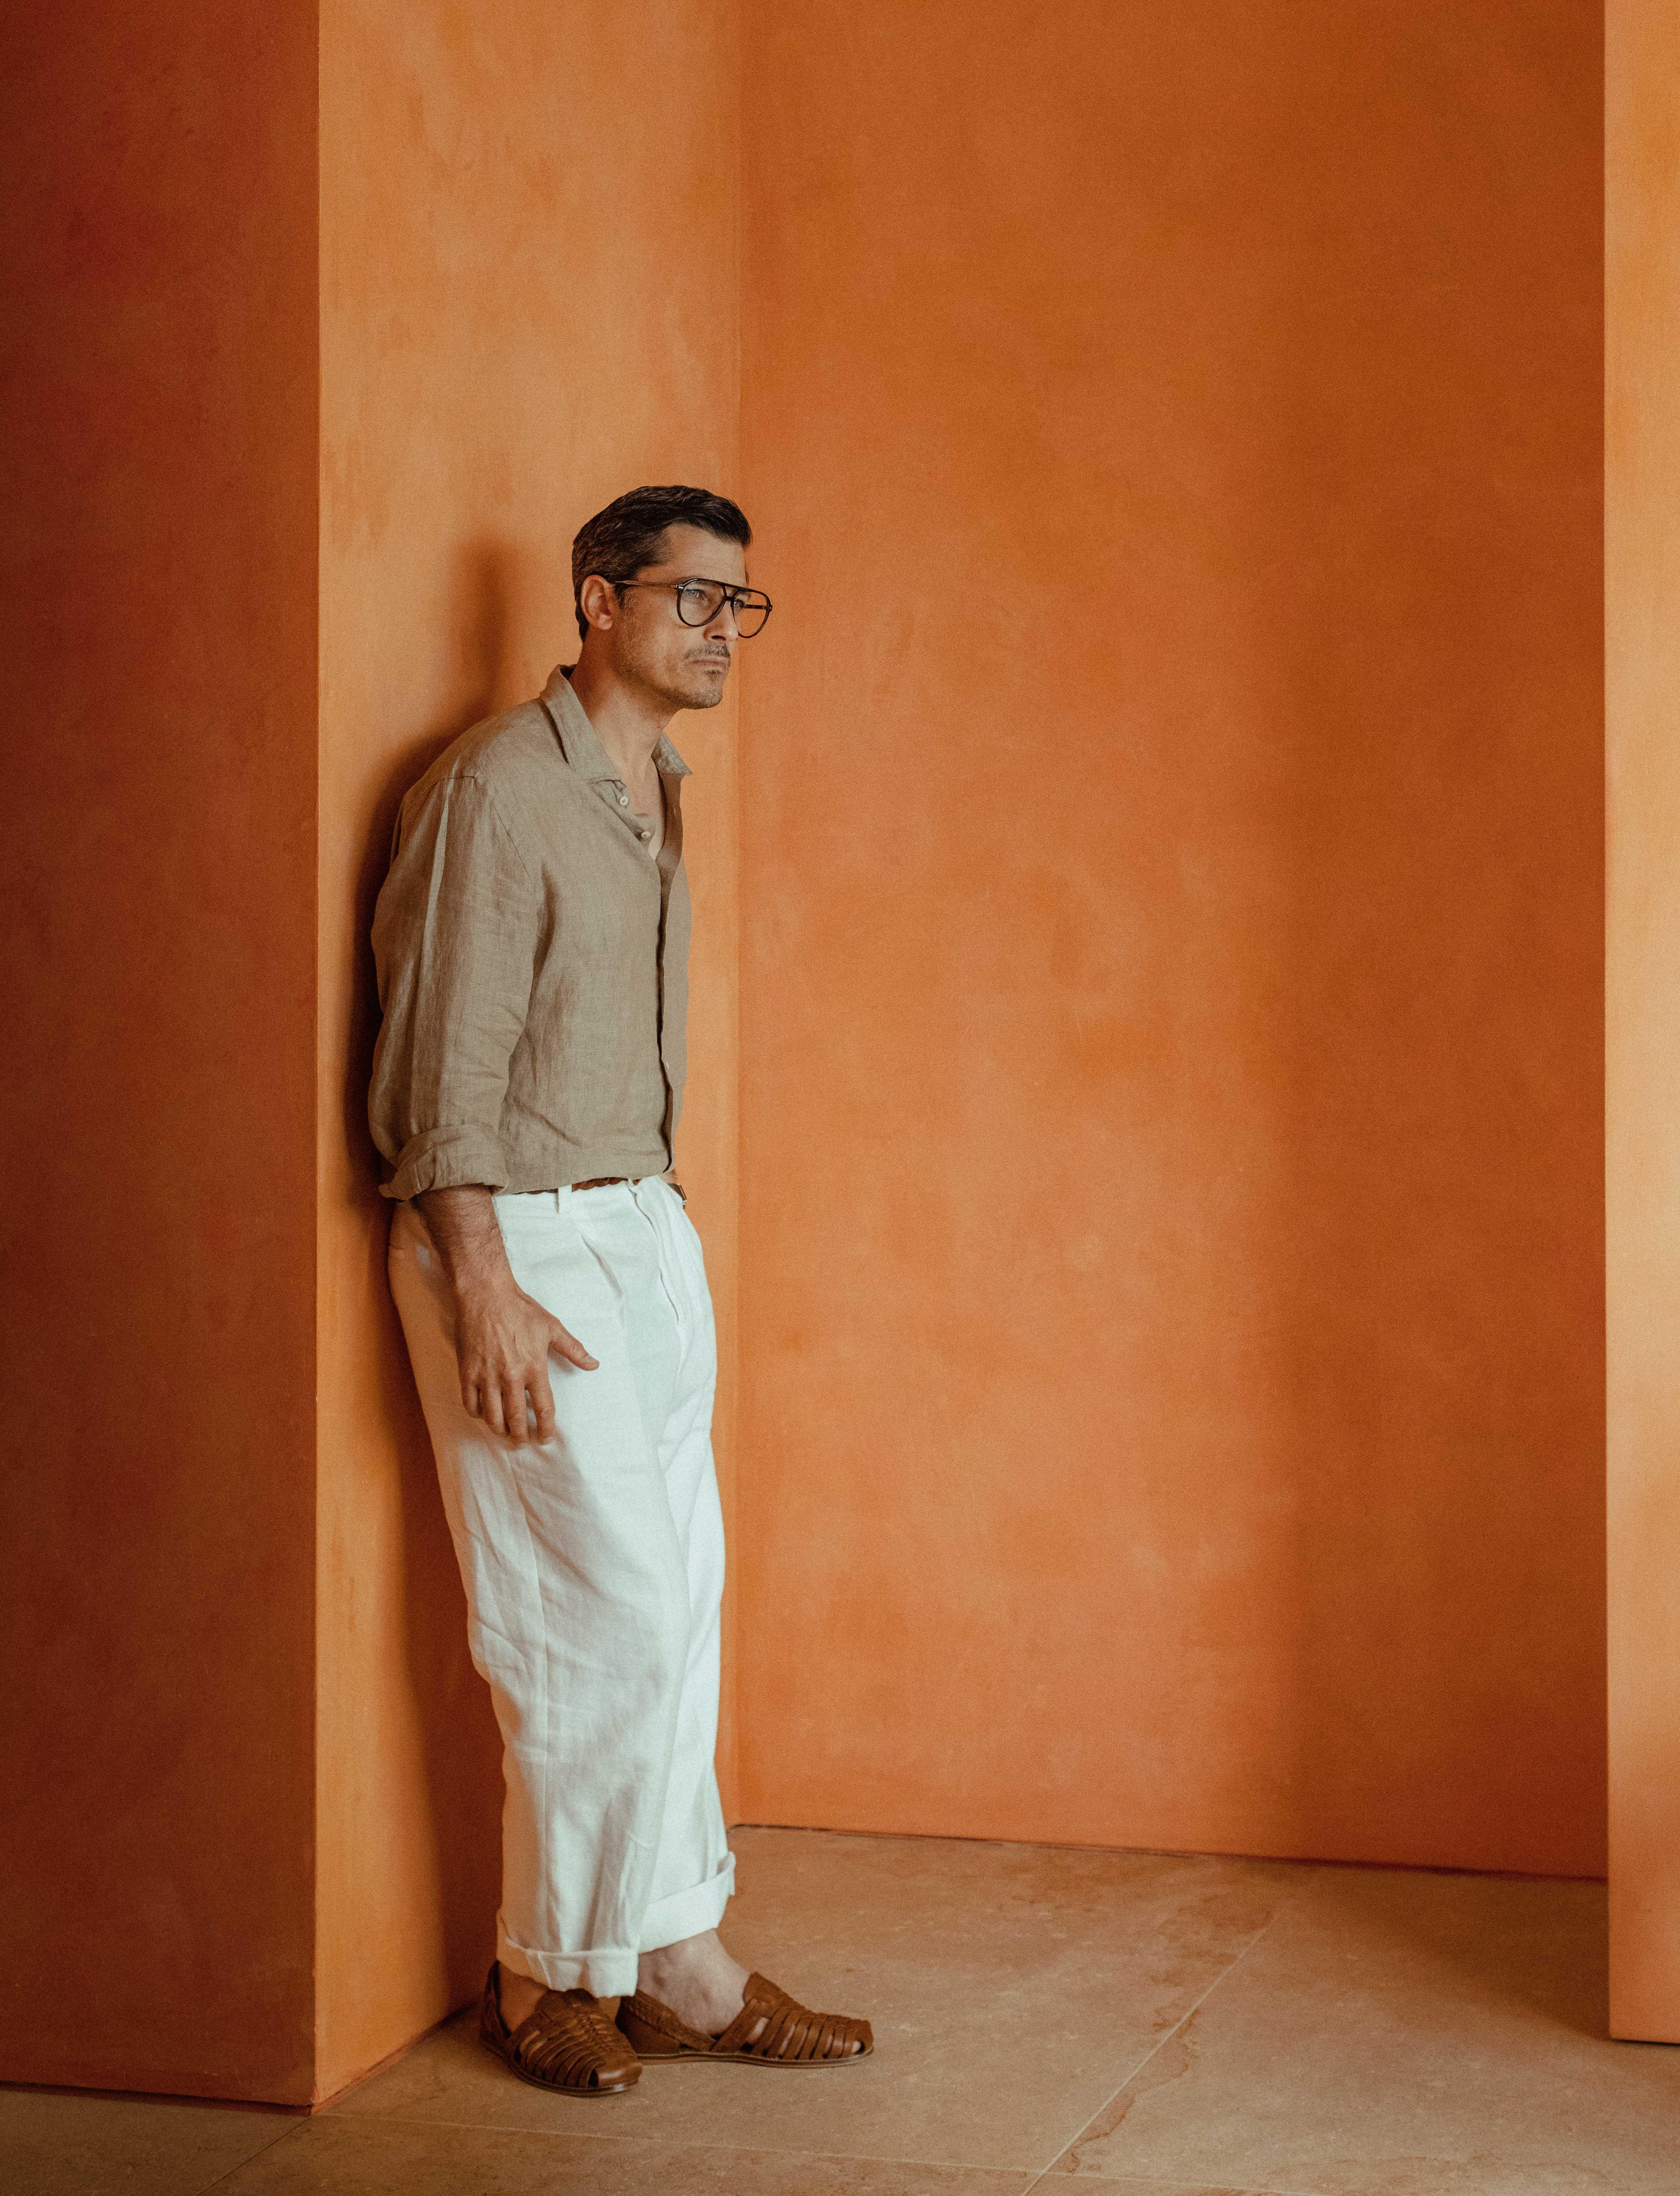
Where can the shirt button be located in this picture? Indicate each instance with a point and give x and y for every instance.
(624, 801)
(642, 835)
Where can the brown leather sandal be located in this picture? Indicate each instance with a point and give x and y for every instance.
(771, 2029)
(566, 2042)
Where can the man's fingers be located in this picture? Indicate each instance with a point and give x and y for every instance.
(542, 1408)
(514, 1408)
(570, 1347)
(512, 1398)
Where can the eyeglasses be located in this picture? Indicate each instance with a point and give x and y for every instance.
(699, 601)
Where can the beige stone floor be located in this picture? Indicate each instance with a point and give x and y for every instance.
(1138, 2024)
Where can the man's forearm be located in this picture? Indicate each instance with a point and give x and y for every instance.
(463, 1227)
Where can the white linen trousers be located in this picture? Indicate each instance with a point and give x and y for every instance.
(593, 1565)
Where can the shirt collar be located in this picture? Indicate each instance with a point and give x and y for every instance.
(577, 739)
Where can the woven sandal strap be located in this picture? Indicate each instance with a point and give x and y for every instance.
(566, 2040)
(785, 2028)
(652, 2014)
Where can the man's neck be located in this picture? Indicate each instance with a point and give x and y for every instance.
(628, 721)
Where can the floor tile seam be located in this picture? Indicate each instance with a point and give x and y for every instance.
(204, 2187)
(1184, 2020)
(685, 2142)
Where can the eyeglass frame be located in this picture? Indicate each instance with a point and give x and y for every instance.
(730, 601)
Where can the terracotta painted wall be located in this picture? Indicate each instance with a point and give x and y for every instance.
(529, 304)
(1642, 577)
(157, 846)
(1165, 860)
(1170, 985)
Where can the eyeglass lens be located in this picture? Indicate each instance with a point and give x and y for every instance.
(699, 601)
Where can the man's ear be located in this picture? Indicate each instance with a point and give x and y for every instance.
(598, 601)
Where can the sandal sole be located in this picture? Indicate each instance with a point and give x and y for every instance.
(752, 2059)
(558, 2088)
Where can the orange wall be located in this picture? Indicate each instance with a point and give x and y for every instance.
(529, 304)
(1171, 1209)
(1642, 600)
(1166, 832)
(157, 531)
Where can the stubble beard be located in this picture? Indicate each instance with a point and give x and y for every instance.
(696, 692)
(709, 692)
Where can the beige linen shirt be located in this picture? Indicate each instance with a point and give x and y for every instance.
(532, 963)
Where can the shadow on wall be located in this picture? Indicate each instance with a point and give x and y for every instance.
(481, 631)
(461, 1745)
(1428, 666)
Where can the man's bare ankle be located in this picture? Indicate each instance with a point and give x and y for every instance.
(698, 1980)
(516, 1995)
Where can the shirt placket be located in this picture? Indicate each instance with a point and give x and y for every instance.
(616, 795)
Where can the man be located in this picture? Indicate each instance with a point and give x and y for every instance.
(532, 945)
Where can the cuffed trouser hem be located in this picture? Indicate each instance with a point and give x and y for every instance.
(689, 1913)
(610, 1974)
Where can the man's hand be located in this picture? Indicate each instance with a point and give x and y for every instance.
(503, 1337)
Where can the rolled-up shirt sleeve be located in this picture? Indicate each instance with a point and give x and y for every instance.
(456, 933)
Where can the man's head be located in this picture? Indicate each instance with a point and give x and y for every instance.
(627, 563)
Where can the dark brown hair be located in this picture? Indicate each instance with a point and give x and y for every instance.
(625, 538)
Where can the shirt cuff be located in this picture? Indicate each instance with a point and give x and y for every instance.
(447, 1158)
